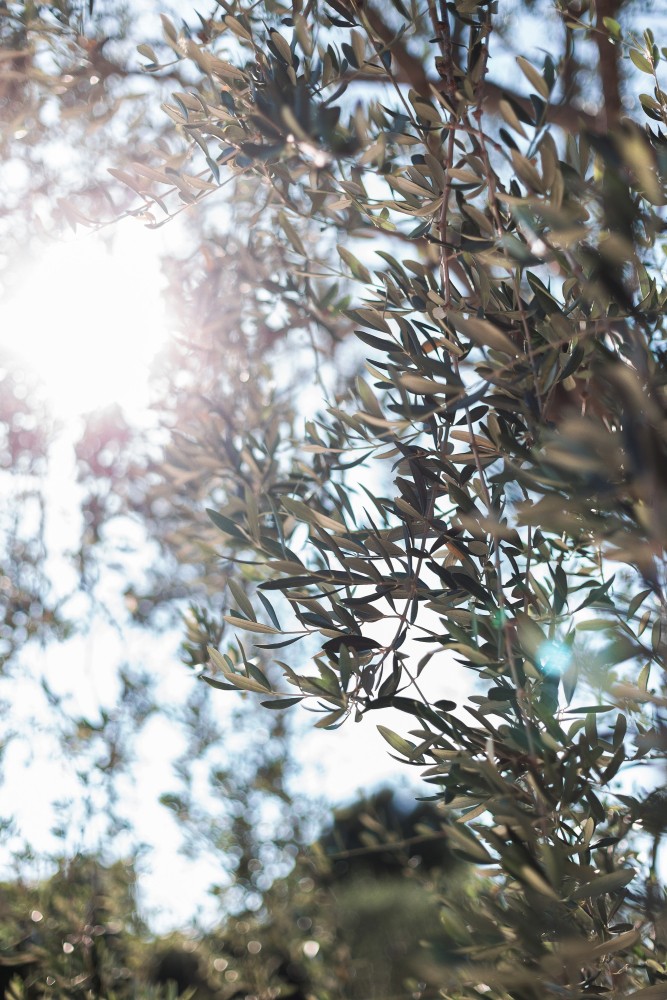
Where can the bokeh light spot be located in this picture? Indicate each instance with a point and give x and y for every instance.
(554, 657)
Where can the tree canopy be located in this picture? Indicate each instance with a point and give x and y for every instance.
(456, 238)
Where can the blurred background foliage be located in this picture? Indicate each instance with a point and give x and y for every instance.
(355, 915)
(350, 125)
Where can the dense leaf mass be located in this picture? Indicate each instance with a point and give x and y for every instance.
(493, 486)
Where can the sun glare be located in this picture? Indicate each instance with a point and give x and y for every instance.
(88, 317)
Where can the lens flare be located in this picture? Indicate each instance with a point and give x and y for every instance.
(554, 657)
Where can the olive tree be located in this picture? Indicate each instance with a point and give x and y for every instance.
(492, 485)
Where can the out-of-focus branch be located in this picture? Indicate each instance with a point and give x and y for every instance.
(568, 116)
(104, 66)
(609, 69)
(410, 69)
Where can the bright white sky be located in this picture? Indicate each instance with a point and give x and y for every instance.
(88, 317)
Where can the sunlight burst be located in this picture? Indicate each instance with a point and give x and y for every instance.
(88, 318)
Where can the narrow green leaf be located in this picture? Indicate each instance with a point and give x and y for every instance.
(359, 270)
(242, 600)
(397, 742)
(280, 703)
(215, 683)
(613, 27)
(603, 884)
(268, 608)
(225, 524)
(481, 332)
(534, 77)
(641, 62)
(637, 602)
(250, 626)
